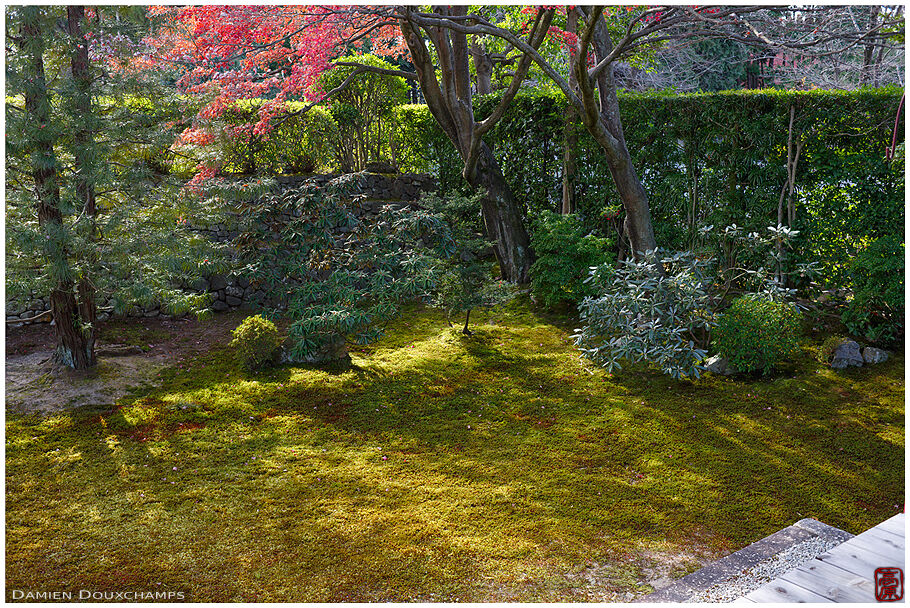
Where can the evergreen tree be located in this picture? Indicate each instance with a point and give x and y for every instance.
(89, 218)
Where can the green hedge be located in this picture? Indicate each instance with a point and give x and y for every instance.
(707, 159)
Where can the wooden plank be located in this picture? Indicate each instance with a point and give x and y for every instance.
(896, 524)
(785, 591)
(831, 582)
(890, 551)
(885, 536)
(853, 559)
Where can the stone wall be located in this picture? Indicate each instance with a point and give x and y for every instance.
(377, 190)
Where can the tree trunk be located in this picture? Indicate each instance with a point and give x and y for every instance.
(603, 122)
(483, 69)
(73, 350)
(502, 219)
(452, 107)
(85, 168)
(867, 75)
(570, 137)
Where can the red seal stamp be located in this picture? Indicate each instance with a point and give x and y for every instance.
(889, 584)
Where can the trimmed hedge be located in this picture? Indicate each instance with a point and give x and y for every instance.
(707, 159)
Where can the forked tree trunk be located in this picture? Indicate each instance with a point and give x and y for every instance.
(449, 100)
(73, 349)
(603, 122)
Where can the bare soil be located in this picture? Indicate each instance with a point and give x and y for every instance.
(132, 351)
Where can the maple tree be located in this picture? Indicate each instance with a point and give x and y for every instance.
(235, 52)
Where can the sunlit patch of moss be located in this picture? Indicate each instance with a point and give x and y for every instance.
(499, 466)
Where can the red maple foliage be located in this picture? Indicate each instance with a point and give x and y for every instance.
(227, 53)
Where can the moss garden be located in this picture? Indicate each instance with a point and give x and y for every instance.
(438, 466)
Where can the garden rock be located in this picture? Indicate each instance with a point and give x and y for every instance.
(719, 365)
(217, 282)
(874, 355)
(846, 354)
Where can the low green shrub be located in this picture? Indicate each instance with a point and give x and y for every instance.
(757, 333)
(877, 309)
(257, 342)
(566, 251)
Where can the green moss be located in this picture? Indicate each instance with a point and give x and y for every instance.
(441, 467)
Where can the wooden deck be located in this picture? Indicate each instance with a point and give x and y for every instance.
(846, 573)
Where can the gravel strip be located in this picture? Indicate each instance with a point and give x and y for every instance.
(765, 571)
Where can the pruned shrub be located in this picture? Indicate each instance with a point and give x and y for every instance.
(757, 333)
(465, 277)
(566, 251)
(257, 342)
(877, 309)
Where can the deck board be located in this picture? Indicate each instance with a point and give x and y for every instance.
(785, 591)
(846, 573)
(887, 537)
(833, 583)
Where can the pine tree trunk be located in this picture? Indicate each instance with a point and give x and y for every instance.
(73, 350)
(85, 169)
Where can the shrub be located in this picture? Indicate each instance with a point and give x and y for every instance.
(566, 251)
(257, 342)
(877, 309)
(641, 314)
(757, 333)
(465, 277)
(338, 286)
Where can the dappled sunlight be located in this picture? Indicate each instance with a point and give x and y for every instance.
(481, 467)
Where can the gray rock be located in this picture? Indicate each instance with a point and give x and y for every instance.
(233, 290)
(243, 282)
(719, 365)
(219, 306)
(200, 285)
(150, 313)
(232, 301)
(846, 354)
(874, 355)
(217, 282)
